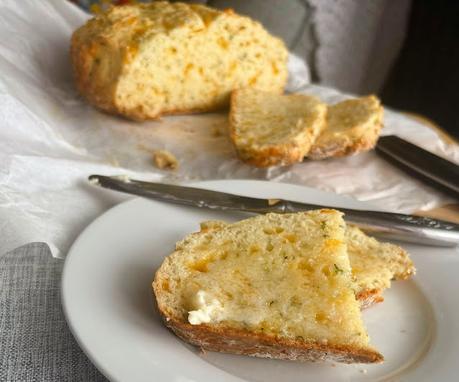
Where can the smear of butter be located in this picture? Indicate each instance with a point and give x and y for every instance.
(207, 309)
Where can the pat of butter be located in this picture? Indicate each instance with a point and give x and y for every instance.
(207, 309)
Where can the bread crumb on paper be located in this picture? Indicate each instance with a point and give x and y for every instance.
(217, 132)
(165, 160)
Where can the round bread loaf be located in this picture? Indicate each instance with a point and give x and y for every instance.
(147, 60)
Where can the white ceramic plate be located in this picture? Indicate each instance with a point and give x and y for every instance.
(109, 304)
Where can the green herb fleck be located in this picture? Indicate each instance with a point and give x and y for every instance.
(337, 269)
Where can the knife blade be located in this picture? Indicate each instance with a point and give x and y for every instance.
(408, 228)
(430, 168)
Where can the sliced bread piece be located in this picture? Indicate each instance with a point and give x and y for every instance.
(374, 264)
(275, 286)
(352, 126)
(271, 129)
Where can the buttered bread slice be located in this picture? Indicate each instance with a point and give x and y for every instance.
(272, 129)
(275, 286)
(147, 60)
(374, 264)
(352, 126)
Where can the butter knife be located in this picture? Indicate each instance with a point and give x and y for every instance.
(429, 168)
(408, 228)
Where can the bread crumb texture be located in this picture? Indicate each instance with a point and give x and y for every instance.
(146, 60)
(375, 264)
(285, 277)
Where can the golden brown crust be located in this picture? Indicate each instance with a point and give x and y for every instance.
(140, 116)
(225, 339)
(84, 69)
(272, 156)
(369, 298)
(341, 149)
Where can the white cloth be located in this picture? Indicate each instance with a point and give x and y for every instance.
(51, 140)
(356, 42)
(349, 44)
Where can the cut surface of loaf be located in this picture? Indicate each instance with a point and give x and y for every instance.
(276, 286)
(352, 126)
(272, 129)
(146, 60)
(374, 264)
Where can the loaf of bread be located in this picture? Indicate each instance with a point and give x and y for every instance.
(353, 126)
(270, 129)
(374, 264)
(275, 286)
(147, 60)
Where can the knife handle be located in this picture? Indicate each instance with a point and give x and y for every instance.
(430, 168)
(407, 228)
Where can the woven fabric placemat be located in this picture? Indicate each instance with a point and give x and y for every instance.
(35, 341)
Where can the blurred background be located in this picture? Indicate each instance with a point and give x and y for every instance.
(406, 52)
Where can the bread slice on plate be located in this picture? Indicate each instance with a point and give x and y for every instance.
(375, 264)
(272, 129)
(274, 286)
(147, 60)
(352, 126)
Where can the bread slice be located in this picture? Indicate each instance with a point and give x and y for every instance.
(275, 286)
(374, 264)
(147, 60)
(270, 129)
(352, 126)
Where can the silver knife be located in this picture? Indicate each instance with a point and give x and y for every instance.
(408, 228)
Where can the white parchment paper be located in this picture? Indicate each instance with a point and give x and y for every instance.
(51, 140)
